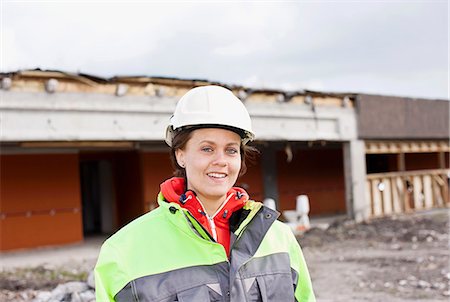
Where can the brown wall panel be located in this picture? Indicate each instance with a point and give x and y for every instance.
(37, 184)
(317, 173)
(447, 160)
(129, 189)
(252, 180)
(155, 168)
(421, 161)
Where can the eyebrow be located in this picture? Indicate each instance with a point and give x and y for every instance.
(213, 143)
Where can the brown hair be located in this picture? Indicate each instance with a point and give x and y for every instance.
(180, 139)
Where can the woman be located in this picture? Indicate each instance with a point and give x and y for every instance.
(206, 241)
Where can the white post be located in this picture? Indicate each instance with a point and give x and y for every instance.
(303, 211)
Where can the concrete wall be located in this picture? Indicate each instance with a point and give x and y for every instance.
(101, 117)
(40, 200)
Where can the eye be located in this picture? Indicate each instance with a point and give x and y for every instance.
(232, 151)
(207, 149)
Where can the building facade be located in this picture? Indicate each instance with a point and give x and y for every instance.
(82, 155)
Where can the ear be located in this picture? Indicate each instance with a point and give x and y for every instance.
(179, 154)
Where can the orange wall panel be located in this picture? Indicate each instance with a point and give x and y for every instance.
(39, 181)
(128, 182)
(38, 184)
(19, 232)
(155, 168)
(318, 173)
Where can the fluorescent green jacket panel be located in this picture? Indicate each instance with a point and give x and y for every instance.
(165, 255)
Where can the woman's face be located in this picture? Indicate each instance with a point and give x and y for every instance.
(212, 161)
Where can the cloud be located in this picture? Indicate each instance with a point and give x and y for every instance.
(11, 55)
(351, 46)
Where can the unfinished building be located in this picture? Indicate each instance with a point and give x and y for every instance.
(83, 155)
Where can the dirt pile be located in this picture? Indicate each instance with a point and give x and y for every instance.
(399, 258)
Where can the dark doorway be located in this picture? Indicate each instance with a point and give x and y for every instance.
(90, 194)
(381, 163)
(97, 194)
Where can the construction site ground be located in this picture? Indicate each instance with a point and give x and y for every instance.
(398, 258)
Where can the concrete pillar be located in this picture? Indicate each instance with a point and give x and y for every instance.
(358, 206)
(269, 171)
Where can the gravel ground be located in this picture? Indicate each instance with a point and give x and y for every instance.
(402, 258)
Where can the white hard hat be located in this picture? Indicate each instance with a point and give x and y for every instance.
(211, 106)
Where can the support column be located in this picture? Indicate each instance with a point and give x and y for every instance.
(269, 171)
(441, 159)
(401, 162)
(358, 206)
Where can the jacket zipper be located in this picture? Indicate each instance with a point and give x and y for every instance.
(213, 227)
(212, 224)
(203, 228)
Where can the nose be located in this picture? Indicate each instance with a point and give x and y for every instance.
(220, 159)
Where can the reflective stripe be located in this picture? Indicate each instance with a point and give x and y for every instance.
(215, 287)
(268, 278)
(166, 285)
(245, 247)
(272, 264)
(248, 283)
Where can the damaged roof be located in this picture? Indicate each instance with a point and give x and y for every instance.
(94, 81)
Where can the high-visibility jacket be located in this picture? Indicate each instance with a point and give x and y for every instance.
(166, 255)
(217, 224)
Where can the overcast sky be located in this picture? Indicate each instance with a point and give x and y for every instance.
(382, 47)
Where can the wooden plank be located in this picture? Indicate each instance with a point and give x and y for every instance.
(409, 194)
(417, 191)
(437, 194)
(445, 190)
(376, 199)
(369, 195)
(427, 191)
(392, 147)
(408, 173)
(400, 189)
(401, 162)
(396, 205)
(386, 193)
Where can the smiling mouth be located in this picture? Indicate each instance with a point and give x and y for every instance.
(217, 175)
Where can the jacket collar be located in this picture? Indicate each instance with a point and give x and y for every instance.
(173, 191)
